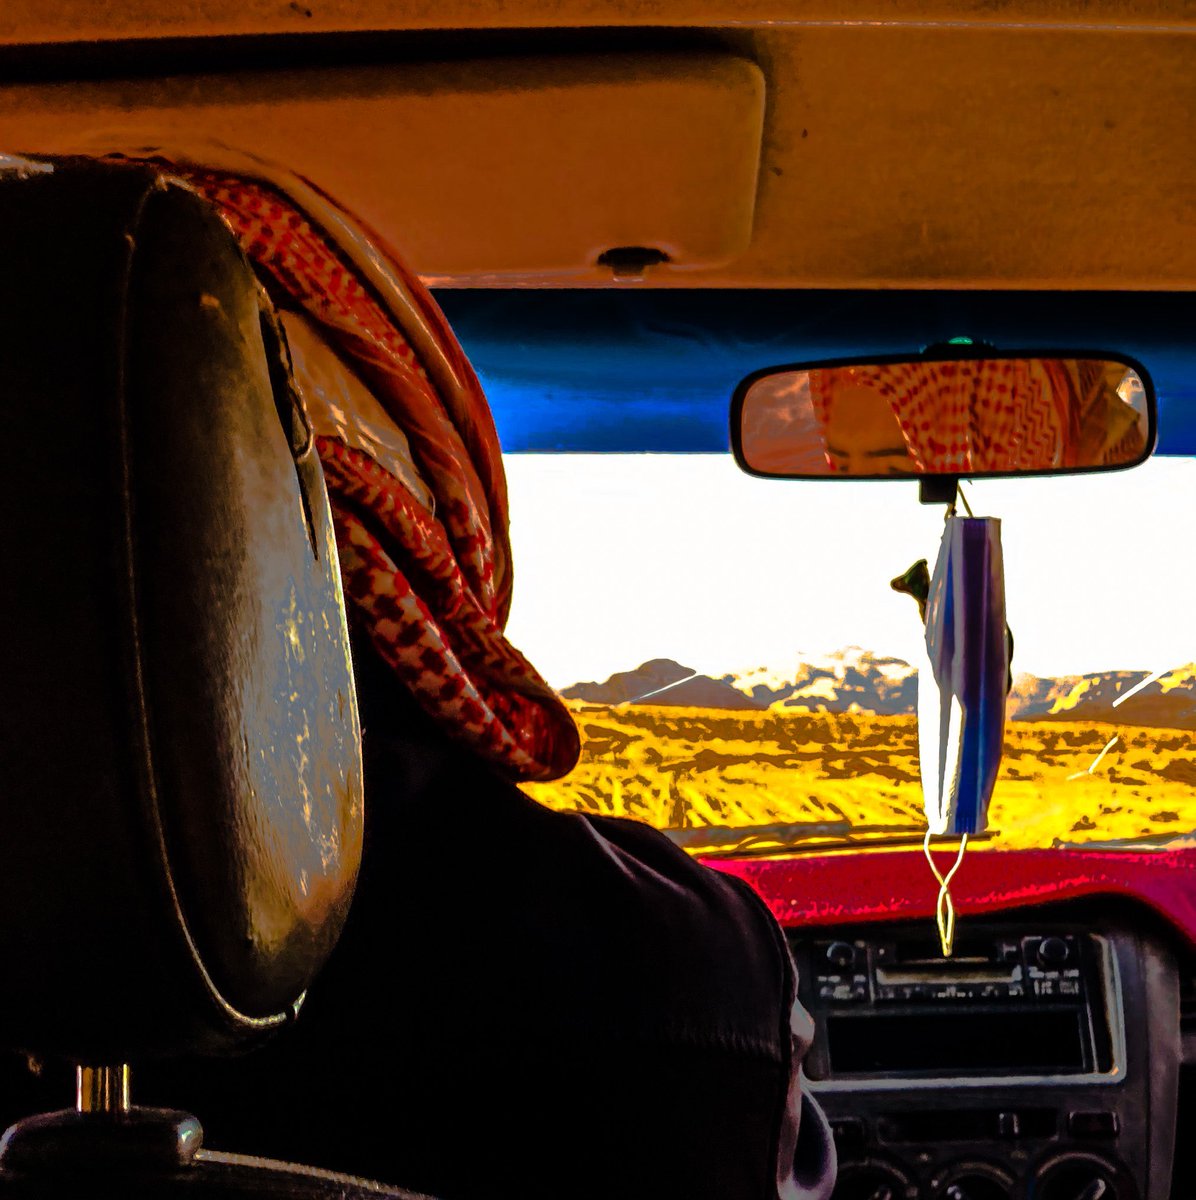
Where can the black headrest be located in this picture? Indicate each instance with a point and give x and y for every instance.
(180, 773)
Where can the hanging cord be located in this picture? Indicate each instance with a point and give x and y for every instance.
(945, 908)
(963, 499)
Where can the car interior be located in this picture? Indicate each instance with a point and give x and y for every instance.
(627, 212)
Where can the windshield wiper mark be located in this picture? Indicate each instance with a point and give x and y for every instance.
(657, 691)
(1144, 841)
(1096, 762)
(1142, 684)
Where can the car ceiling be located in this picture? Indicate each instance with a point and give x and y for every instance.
(913, 143)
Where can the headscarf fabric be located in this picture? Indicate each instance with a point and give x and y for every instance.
(430, 583)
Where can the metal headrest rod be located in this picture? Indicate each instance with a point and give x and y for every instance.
(102, 1089)
(102, 1132)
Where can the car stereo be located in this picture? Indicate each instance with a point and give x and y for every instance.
(1024, 1004)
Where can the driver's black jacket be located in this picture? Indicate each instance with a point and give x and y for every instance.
(529, 1004)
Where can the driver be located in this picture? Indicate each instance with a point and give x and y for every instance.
(802, 422)
(524, 1003)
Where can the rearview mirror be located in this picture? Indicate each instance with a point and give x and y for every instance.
(944, 414)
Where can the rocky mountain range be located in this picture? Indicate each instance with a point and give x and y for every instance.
(851, 680)
(854, 680)
(663, 681)
(1168, 702)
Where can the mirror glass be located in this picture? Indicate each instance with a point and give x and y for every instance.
(956, 416)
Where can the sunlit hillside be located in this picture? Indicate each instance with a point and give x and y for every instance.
(854, 777)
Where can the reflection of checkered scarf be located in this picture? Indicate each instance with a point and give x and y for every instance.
(431, 587)
(969, 414)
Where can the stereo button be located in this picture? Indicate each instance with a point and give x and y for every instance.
(840, 954)
(1097, 1124)
(1053, 951)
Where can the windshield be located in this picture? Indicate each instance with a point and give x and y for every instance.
(742, 671)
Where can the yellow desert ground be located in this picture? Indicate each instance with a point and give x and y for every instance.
(837, 776)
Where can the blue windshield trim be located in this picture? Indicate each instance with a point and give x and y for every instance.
(608, 371)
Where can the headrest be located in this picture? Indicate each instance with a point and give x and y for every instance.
(181, 797)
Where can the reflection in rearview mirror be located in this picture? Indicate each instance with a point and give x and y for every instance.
(960, 416)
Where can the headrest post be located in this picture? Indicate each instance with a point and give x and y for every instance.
(102, 1089)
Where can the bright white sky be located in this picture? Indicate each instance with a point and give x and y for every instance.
(622, 558)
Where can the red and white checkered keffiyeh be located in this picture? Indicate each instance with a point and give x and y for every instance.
(970, 414)
(431, 584)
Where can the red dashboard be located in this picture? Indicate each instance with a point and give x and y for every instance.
(840, 888)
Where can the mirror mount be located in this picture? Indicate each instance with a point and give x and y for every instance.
(961, 347)
(938, 489)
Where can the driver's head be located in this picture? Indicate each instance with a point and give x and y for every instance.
(411, 459)
(863, 435)
(860, 428)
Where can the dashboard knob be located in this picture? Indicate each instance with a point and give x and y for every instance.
(872, 1180)
(975, 1187)
(973, 1181)
(840, 954)
(1080, 1177)
(1053, 951)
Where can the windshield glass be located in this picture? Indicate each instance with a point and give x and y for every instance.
(741, 669)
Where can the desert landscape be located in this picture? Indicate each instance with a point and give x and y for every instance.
(813, 767)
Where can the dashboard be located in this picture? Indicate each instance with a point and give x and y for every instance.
(1040, 1062)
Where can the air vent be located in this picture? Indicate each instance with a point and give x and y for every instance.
(1187, 1017)
(1187, 1003)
